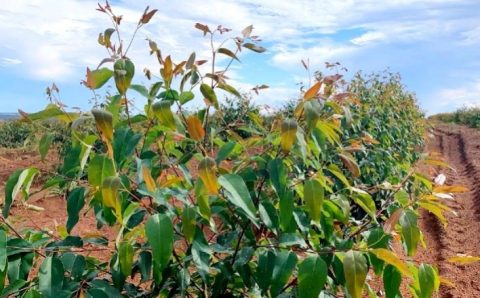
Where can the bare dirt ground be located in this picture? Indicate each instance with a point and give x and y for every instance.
(54, 216)
(460, 147)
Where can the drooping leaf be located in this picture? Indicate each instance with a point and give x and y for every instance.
(100, 167)
(288, 134)
(3, 251)
(209, 95)
(159, 231)
(313, 196)
(284, 264)
(11, 191)
(266, 262)
(50, 277)
(188, 223)
(148, 179)
(392, 278)
(18, 182)
(202, 199)
(428, 280)
(230, 89)
(195, 128)
(125, 256)
(355, 268)
(365, 201)
(104, 122)
(44, 144)
(237, 194)
(227, 52)
(163, 112)
(75, 202)
(349, 161)
(207, 173)
(123, 72)
(110, 187)
(410, 231)
(312, 275)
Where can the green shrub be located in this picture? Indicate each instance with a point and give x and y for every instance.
(14, 133)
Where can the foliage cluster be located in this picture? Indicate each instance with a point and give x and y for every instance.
(301, 206)
(464, 116)
(14, 134)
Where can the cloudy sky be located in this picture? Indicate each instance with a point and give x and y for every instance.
(433, 44)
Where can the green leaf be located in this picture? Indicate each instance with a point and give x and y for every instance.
(225, 151)
(365, 201)
(209, 95)
(188, 223)
(125, 256)
(266, 262)
(19, 181)
(229, 89)
(269, 215)
(9, 191)
(278, 176)
(97, 78)
(227, 52)
(237, 194)
(104, 122)
(312, 275)
(313, 195)
(3, 251)
(185, 97)
(44, 144)
(410, 231)
(75, 203)
(284, 264)
(100, 167)
(253, 47)
(392, 278)
(159, 231)
(51, 111)
(50, 277)
(202, 200)
(163, 112)
(124, 70)
(428, 280)
(286, 210)
(145, 265)
(32, 293)
(141, 89)
(355, 268)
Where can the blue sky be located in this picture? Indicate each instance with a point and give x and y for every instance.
(433, 44)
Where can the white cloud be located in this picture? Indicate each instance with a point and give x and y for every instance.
(9, 61)
(466, 95)
(368, 38)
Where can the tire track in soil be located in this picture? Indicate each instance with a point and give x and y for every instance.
(460, 148)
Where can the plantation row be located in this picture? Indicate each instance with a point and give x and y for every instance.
(464, 116)
(223, 201)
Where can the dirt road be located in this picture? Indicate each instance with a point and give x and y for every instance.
(460, 147)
